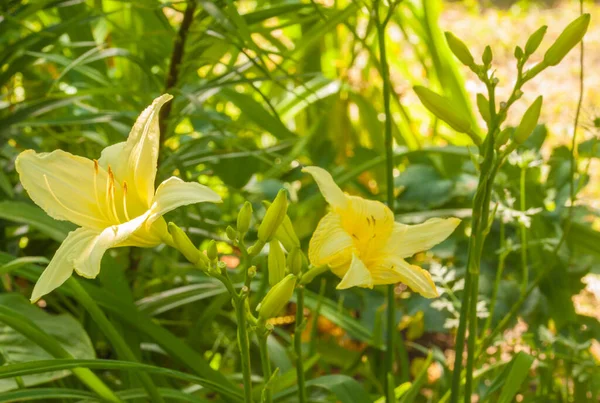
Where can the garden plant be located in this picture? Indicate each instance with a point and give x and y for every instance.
(296, 201)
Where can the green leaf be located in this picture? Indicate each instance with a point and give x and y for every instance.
(16, 347)
(30, 214)
(510, 379)
(43, 366)
(255, 112)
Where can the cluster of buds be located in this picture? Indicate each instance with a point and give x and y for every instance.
(286, 261)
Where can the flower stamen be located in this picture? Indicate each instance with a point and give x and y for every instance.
(110, 195)
(125, 201)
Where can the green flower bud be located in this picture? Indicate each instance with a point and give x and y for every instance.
(184, 244)
(503, 136)
(535, 40)
(211, 251)
(277, 297)
(231, 233)
(276, 263)
(444, 109)
(529, 121)
(487, 56)
(518, 53)
(567, 40)
(460, 50)
(273, 217)
(295, 261)
(251, 271)
(484, 107)
(285, 233)
(244, 218)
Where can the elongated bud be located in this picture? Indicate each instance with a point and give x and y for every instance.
(184, 244)
(484, 107)
(285, 233)
(273, 217)
(277, 298)
(487, 56)
(295, 261)
(529, 121)
(567, 40)
(535, 40)
(211, 250)
(503, 136)
(276, 263)
(460, 50)
(244, 218)
(231, 233)
(444, 109)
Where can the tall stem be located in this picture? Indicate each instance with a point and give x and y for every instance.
(113, 336)
(266, 365)
(523, 206)
(499, 271)
(389, 154)
(244, 344)
(298, 343)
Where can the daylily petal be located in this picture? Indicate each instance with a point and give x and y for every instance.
(390, 269)
(114, 157)
(330, 243)
(174, 192)
(406, 240)
(87, 264)
(330, 191)
(66, 186)
(60, 267)
(139, 155)
(357, 276)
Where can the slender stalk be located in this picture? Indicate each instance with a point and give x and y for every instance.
(244, 344)
(298, 343)
(389, 154)
(266, 365)
(523, 228)
(175, 63)
(499, 271)
(113, 336)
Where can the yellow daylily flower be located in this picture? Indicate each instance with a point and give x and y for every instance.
(363, 245)
(111, 199)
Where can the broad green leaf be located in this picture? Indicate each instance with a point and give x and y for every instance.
(17, 348)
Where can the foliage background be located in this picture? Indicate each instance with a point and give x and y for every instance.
(262, 88)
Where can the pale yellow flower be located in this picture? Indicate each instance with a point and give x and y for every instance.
(111, 199)
(362, 244)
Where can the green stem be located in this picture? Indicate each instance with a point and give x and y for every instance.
(524, 268)
(113, 336)
(266, 364)
(389, 154)
(244, 344)
(298, 343)
(499, 271)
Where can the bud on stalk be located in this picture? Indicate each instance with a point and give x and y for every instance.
(244, 218)
(276, 263)
(567, 40)
(460, 50)
(277, 298)
(285, 233)
(184, 244)
(273, 217)
(535, 40)
(443, 108)
(295, 261)
(529, 121)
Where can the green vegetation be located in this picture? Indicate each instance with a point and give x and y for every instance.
(327, 210)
